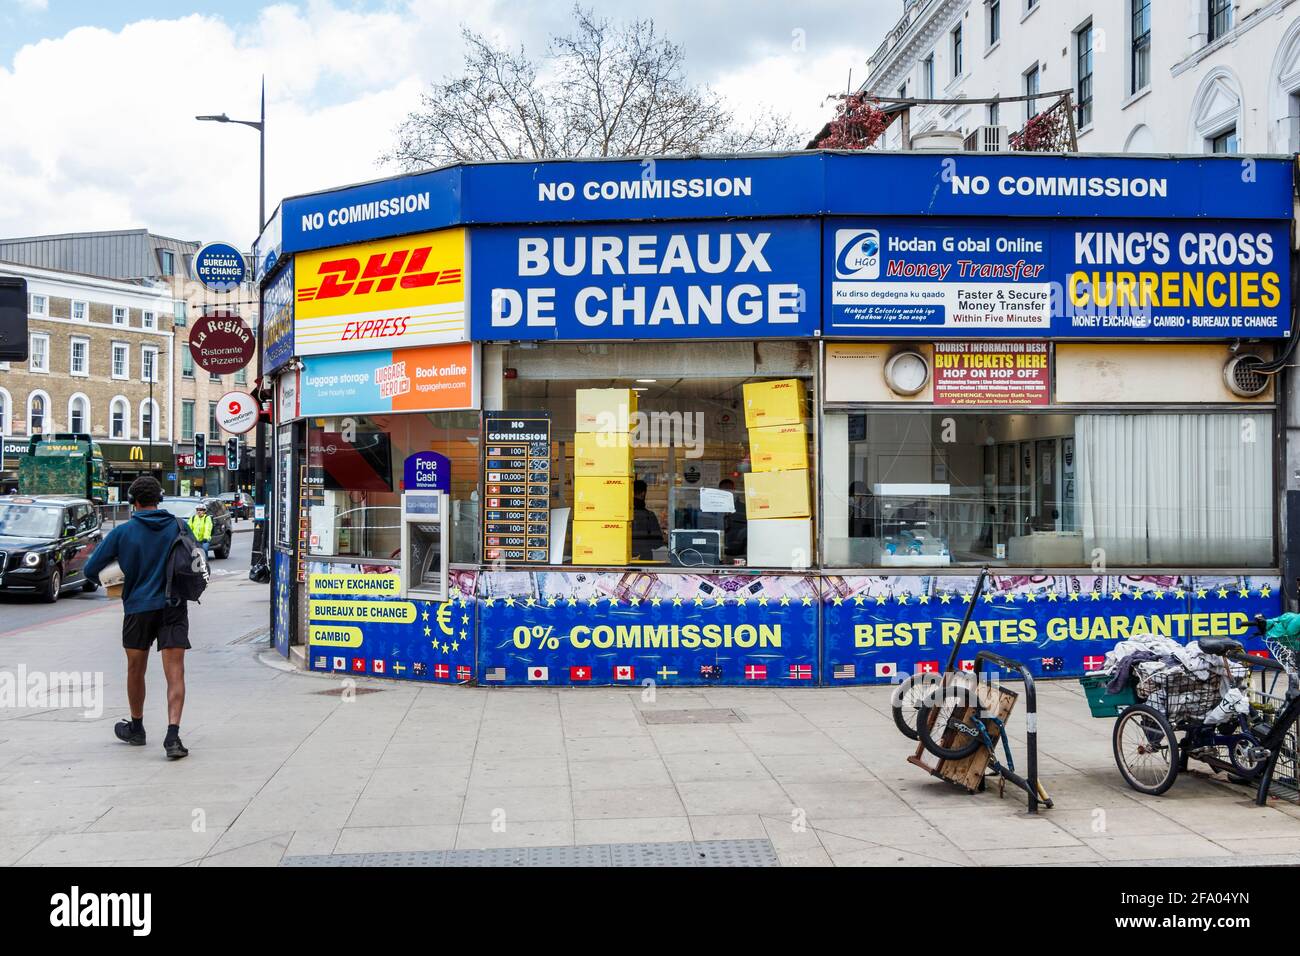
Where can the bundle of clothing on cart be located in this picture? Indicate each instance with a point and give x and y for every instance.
(1178, 678)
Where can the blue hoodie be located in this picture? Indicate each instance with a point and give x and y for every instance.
(140, 547)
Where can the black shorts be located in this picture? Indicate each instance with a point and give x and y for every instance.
(169, 626)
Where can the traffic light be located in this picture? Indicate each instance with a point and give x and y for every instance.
(232, 454)
(200, 450)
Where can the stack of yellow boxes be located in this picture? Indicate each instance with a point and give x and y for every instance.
(778, 501)
(602, 473)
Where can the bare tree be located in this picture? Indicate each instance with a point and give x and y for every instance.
(611, 90)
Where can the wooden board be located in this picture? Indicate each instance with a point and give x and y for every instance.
(969, 771)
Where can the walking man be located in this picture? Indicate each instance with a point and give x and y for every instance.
(201, 527)
(141, 547)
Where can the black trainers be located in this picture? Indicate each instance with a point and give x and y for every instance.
(124, 733)
(175, 749)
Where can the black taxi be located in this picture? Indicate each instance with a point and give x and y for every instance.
(45, 541)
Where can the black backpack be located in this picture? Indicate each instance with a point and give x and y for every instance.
(187, 568)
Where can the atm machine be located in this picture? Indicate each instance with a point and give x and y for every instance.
(425, 544)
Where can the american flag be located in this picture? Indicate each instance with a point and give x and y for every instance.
(846, 671)
(800, 672)
(755, 672)
(495, 674)
(319, 662)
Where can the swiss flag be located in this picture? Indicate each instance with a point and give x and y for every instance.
(927, 667)
(624, 672)
(359, 664)
(441, 671)
(579, 673)
(1093, 663)
(1258, 653)
(886, 669)
(967, 666)
(800, 672)
(377, 667)
(755, 672)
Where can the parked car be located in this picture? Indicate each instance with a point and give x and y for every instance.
(238, 503)
(185, 507)
(45, 541)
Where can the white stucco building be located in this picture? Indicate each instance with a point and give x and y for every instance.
(1147, 75)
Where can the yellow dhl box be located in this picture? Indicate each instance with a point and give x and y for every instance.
(777, 494)
(602, 542)
(778, 448)
(602, 499)
(605, 409)
(602, 454)
(773, 403)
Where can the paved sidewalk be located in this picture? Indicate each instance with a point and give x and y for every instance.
(282, 766)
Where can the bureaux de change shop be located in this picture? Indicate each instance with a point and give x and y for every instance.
(760, 420)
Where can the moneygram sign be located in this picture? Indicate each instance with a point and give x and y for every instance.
(391, 293)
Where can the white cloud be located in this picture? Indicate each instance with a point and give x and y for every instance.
(100, 131)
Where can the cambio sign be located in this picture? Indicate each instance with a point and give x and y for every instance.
(748, 279)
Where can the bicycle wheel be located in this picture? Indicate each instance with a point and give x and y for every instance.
(906, 697)
(933, 727)
(1241, 752)
(1146, 750)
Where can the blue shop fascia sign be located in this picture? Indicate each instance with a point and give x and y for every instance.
(863, 244)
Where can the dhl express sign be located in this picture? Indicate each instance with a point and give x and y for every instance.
(392, 293)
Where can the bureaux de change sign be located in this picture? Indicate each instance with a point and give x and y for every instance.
(751, 279)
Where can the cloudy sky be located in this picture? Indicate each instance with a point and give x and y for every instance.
(97, 99)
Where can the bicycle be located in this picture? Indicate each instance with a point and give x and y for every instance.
(1254, 734)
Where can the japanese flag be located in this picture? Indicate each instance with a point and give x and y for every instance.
(889, 669)
(539, 673)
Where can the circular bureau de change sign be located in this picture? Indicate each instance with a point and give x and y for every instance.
(222, 344)
(237, 412)
(220, 267)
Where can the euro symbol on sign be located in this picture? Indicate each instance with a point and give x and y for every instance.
(444, 617)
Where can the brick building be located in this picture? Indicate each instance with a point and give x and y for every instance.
(100, 360)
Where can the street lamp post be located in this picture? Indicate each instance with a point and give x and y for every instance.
(260, 537)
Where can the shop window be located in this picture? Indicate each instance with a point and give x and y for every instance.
(690, 450)
(933, 489)
(353, 493)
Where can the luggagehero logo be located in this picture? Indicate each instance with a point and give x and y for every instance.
(384, 294)
(857, 254)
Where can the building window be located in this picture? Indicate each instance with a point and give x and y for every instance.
(1140, 58)
(78, 414)
(956, 52)
(40, 305)
(80, 311)
(179, 314)
(148, 364)
(79, 357)
(37, 407)
(38, 359)
(995, 22)
(1031, 91)
(1225, 142)
(995, 114)
(1030, 4)
(927, 77)
(120, 315)
(187, 362)
(148, 320)
(241, 377)
(121, 360)
(1083, 65)
(117, 415)
(187, 420)
(168, 262)
(214, 377)
(149, 420)
(214, 430)
(1220, 21)
(6, 421)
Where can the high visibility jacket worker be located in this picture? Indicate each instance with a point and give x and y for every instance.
(200, 526)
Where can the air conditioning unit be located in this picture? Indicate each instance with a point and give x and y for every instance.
(987, 139)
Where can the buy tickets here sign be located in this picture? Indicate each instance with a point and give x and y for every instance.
(991, 373)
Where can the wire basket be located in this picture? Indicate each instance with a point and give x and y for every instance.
(1181, 696)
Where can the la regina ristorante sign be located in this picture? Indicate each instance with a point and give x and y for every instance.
(222, 344)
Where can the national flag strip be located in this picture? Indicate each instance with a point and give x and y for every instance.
(340, 663)
(624, 672)
(464, 672)
(967, 665)
(441, 671)
(579, 673)
(755, 672)
(800, 672)
(845, 671)
(377, 667)
(539, 673)
(1093, 662)
(320, 662)
(927, 667)
(886, 669)
(359, 665)
(711, 672)
(419, 668)
(495, 674)
(1053, 664)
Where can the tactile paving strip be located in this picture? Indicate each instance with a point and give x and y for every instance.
(706, 853)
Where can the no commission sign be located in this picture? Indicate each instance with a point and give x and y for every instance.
(237, 412)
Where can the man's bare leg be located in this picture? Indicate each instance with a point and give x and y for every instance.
(137, 662)
(173, 660)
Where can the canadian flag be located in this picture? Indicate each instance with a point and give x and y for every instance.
(967, 666)
(1093, 663)
(377, 667)
(539, 673)
(624, 672)
(579, 673)
(886, 669)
